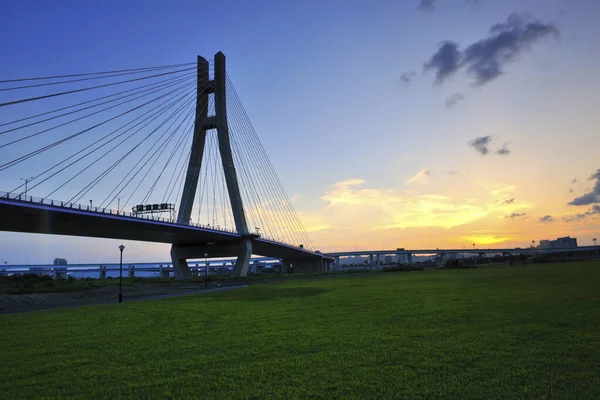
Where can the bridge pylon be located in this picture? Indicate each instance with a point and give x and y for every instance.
(203, 123)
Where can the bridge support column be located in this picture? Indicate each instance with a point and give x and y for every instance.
(370, 260)
(180, 265)
(336, 263)
(132, 271)
(377, 260)
(243, 260)
(233, 187)
(285, 267)
(305, 265)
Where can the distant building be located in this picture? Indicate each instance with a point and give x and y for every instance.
(60, 261)
(566, 242)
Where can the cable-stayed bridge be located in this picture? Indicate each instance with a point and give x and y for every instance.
(159, 154)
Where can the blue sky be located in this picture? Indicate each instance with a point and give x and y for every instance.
(321, 82)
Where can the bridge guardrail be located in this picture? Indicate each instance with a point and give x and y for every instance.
(101, 210)
(108, 211)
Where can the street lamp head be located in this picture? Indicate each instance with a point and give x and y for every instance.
(121, 247)
(205, 254)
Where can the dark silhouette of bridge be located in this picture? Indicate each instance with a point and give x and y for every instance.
(74, 135)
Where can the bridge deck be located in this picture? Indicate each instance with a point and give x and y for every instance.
(39, 217)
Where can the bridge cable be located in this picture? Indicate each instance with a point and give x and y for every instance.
(161, 84)
(184, 135)
(88, 187)
(47, 147)
(245, 189)
(269, 167)
(26, 100)
(271, 211)
(179, 192)
(149, 112)
(267, 204)
(145, 123)
(280, 231)
(155, 155)
(94, 73)
(234, 99)
(76, 80)
(252, 196)
(83, 117)
(177, 111)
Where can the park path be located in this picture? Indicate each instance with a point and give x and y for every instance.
(21, 303)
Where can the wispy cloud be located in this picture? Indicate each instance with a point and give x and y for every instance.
(453, 172)
(421, 177)
(591, 197)
(454, 99)
(426, 5)
(407, 77)
(481, 144)
(516, 215)
(503, 151)
(445, 62)
(486, 59)
(581, 216)
(509, 201)
(391, 208)
(501, 189)
(546, 218)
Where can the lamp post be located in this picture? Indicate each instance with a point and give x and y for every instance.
(205, 270)
(121, 247)
(596, 244)
(26, 181)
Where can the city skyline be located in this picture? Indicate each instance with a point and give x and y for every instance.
(418, 125)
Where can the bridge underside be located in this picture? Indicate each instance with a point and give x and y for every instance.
(189, 241)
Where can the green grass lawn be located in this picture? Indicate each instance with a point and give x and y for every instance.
(528, 331)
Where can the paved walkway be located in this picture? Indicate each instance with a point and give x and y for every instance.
(20, 303)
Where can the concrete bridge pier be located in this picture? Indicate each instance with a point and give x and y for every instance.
(306, 265)
(440, 259)
(370, 261)
(285, 266)
(132, 271)
(180, 265)
(102, 270)
(243, 260)
(377, 261)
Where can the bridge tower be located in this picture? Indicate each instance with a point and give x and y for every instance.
(203, 123)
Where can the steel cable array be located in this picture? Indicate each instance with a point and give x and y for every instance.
(123, 137)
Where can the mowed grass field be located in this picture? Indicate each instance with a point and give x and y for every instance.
(529, 332)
